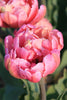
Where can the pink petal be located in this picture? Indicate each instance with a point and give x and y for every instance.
(8, 43)
(46, 44)
(44, 23)
(54, 42)
(59, 37)
(17, 66)
(28, 74)
(10, 19)
(38, 67)
(16, 42)
(51, 62)
(22, 74)
(22, 18)
(13, 21)
(31, 55)
(23, 53)
(33, 12)
(36, 77)
(37, 43)
(6, 60)
(2, 24)
(40, 14)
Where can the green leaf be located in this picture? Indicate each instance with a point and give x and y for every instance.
(63, 96)
(57, 13)
(10, 31)
(52, 11)
(33, 90)
(1, 93)
(2, 47)
(13, 92)
(62, 83)
(62, 15)
(51, 93)
(65, 40)
(59, 89)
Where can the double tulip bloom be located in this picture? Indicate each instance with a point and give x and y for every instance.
(34, 51)
(15, 13)
(32, 54)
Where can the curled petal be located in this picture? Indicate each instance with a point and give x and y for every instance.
(59, 38)
(9, 19)
(33, 12)
(54, 42)
(38, 67)
(2, 23)
(8, 44)
(40, 15)
(28, 74)
(17, 66)
(23, 53)
(36, 77)
(6, 60)
(22, 74)
(51, 62)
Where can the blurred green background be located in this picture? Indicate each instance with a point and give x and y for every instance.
(56, 84)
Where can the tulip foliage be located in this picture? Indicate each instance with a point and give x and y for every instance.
(30, 49)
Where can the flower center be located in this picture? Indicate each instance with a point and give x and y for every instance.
(28, 44)
(5, 8)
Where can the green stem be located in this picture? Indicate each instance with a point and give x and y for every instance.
(42, 89)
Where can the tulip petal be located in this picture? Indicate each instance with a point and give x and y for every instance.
(22, 18)
(16, 43)
(40, 14)
(51, 62)
(16, 67)
(33, 12)
(9, 19)
(38, 67)
(8, 44)
(36, 77)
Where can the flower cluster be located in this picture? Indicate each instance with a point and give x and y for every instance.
(34, 51)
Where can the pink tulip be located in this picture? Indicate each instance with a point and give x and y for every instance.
(43, 27)
(15, 13)
(32, 56)
(44, 23)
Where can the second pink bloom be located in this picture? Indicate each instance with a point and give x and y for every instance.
(15, 13)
